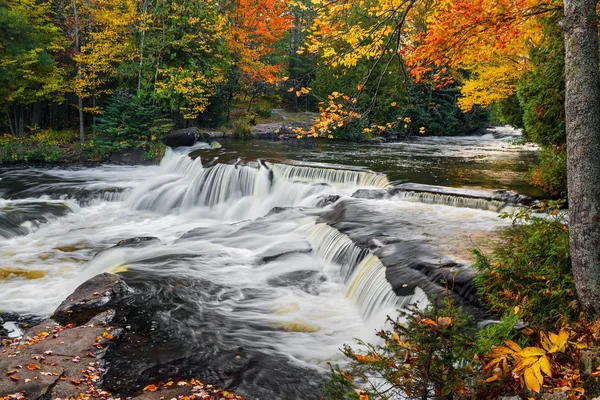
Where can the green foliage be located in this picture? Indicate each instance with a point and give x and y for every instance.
(508, 112)
(426, 353)
(550, 174)
(531, 269)
(495, 334)
(154, 151)
(242, 129)
(28, 39)
(130, 121)
(48, 147)
(541, 92)
(263, 111)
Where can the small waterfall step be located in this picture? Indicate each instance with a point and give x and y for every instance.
(491, 200)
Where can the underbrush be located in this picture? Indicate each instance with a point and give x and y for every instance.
(48, 146)
(540, 343)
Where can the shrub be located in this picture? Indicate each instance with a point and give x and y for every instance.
(263, 111)
(531, 270)
(550, 174)
(428, 355)
(242, 129)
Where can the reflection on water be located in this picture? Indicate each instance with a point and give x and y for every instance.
(490, 161)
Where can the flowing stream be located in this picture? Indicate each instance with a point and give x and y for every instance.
(263, 268)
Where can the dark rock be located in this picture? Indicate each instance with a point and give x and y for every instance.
(511, 197)
(131, 157)
(94, 296)
(137, 241)
(276, 210)
(181, 137)
(327, 200)
(370, 194)
(212, 135)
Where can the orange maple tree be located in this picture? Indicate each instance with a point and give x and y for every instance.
(256, 25)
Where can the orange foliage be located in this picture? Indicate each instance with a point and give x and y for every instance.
(256, 26)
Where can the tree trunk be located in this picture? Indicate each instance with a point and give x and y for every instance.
(77, 51)
(141, 64)
(582, 108)
(94, 117)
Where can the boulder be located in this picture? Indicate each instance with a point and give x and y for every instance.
(181, 137)
(56, 361)
(589, 359)
(94, 296)
(131, 157)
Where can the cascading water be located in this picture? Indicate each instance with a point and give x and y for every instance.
(453, 200)
(336, 177)
(244, 275)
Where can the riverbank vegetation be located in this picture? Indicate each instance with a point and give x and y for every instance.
(541, 343)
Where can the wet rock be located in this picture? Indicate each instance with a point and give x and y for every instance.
(510, 197)
(137, 241)
(94, 296)
(181, 137)
(55, 362)
(212, 135)
(131, 157)
(327, 200)
(370, 194)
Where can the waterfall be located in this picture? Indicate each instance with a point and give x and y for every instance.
(453, 200)
(332, 246)
(363, 273)
(331, 176)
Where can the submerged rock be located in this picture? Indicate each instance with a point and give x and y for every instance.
(137, 241)
(94, 296)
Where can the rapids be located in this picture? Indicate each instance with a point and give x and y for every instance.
(257, 280)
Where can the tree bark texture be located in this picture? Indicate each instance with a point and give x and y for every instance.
(582, 107)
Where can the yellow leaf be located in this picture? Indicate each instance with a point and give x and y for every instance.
(500, 351)
(298, 93)
(360, 87)
(531, 351)
(545, 366)
(523, 363)
(517, 308)
(513, 345)
(531, 380)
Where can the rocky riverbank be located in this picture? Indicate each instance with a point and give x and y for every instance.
(65, 356)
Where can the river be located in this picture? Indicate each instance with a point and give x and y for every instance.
(262, 269)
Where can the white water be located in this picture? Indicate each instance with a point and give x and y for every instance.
(308, 324)
(334, 293)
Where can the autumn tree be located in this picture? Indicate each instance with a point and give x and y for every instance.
(181, 54)
(103, 47)
(29, 72)
(256, 25)
(582, 109)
